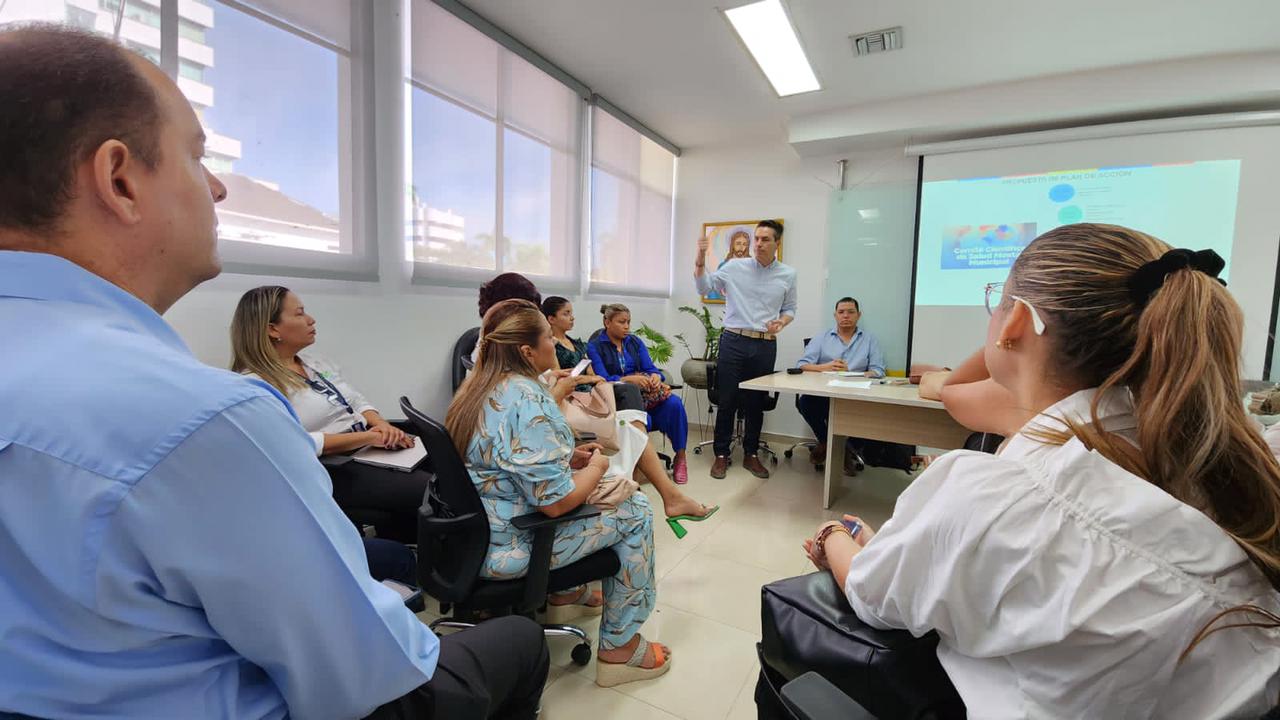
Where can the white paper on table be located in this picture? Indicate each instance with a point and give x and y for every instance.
(859, 384)
(845, 373)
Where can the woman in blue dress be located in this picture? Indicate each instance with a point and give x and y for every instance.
(616, 355)
(520, 453)
(570, 351)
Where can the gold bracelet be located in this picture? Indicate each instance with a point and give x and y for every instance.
(820, 544)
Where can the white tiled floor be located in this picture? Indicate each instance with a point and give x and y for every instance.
(709, 591)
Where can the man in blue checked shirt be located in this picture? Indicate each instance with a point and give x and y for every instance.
(844, 347)
(169, 546)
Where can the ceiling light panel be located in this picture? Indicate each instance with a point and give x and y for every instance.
(769, 36)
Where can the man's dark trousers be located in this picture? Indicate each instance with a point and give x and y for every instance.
(740, 359)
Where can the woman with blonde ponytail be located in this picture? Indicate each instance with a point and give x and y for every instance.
(520, 453)
(1120, 555)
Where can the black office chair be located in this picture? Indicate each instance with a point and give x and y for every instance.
(813, 697)
(460, 362)
(811, 444)
(453, 541)
(739, 423)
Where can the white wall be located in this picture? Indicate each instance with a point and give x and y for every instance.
(1192, 86)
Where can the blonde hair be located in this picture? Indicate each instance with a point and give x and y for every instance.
(1179, 358)
(506, 327)
(610, 310)
(251, 348)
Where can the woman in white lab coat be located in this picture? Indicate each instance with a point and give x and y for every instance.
(1119, 556)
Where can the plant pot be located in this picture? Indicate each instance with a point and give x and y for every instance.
(694, 372)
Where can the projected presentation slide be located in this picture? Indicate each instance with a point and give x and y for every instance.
(971, 230)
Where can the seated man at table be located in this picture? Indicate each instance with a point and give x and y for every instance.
(844, 347)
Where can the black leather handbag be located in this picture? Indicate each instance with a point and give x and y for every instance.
(808, 625)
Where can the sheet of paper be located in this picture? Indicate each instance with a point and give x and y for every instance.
(402, 459)
(404, 591)
(859, 384)
(844, 373)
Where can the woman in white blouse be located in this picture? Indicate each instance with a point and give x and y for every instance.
(1119, 556)
(269, 331)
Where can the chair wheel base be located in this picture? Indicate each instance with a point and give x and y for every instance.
(697, 451)
(581, 654)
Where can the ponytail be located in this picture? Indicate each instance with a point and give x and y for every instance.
(1177, 351)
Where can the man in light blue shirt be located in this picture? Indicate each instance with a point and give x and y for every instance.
(843, 348)
(170, 547)
(760, 294)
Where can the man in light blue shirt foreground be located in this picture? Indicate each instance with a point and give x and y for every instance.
(760, 300)
(168, 544)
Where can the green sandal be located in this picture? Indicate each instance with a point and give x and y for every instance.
(678, 529)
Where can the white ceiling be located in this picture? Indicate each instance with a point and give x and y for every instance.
(676, 65)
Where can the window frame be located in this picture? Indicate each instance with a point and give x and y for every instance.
(636, 183)
(572, 280)
(356, 206)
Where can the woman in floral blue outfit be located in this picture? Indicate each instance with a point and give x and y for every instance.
(520, 453)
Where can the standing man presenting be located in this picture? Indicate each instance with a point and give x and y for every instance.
(761, 300)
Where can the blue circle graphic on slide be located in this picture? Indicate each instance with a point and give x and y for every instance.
(1062, 192)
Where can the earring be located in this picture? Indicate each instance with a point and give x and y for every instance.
(1006, 344)
(275, 339)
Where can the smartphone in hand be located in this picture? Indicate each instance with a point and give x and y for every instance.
(580, 368)
(853, 526)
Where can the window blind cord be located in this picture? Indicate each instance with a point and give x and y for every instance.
(119, 19)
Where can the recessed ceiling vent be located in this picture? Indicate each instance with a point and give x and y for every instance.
(877, 42)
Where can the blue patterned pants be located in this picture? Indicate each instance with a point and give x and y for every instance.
(629, 595)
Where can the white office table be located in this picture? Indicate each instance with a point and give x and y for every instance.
(891, 413)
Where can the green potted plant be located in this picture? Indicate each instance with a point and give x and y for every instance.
(694, 370)
(660, 348)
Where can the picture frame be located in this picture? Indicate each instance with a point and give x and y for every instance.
(727, 244)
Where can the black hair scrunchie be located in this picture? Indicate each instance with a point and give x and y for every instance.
(1150, 277)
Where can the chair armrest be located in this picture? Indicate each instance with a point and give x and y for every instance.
(813, 697)
(430, 524)
(675, 386)
(539, 569)
(536, 520)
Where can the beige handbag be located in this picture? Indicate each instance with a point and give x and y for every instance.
(612, 490)
(593, 412)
